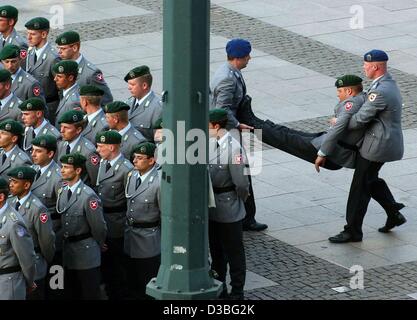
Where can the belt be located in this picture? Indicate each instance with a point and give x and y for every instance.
(224, 189)
(144, 224)
(10, 270)
(55, 216)
(347, 145)
(78, 238)
(115, 209)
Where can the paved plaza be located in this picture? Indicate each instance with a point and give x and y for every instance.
(299, 48)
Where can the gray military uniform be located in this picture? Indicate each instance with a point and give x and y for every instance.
(143, 116)
(88, 150)
(70, 101)
(88, 73)
(39, 225)
(111, 190)
(95, 126)
(82, 215)
(227, 167)
(10, 110)
(227, 91)
(16, 158)
(18, 40)
(25, 86)
(381, 115)
(130, 139)
(16, 249)
(47, 128)
(143, 206)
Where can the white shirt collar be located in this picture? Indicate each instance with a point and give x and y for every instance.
(69, 89)
(38, 129)
(125, 129)
(74, 142)
(112, 162)
(93, 115)
(22, 201)
(75, 186)
(375, 80)
(3, 209)
(10, 151)
(79, 59)
(4, 101)
(143, 178)
(144, 98)
(222, 139)
(40, 50)
(14, 76)
(43, 169)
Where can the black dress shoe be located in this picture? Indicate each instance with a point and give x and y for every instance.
(398, 220)
(344, 237)
(256, 226)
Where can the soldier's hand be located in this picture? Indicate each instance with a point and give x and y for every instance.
(31, 288)
(243, 126)
(320, 161)
(104, 248)
(333, 121)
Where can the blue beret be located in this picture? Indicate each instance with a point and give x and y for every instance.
(375, 55)
(238, 48)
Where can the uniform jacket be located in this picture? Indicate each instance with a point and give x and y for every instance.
(130, 139)
(143, 206)
(82, 214)
(111, 190)
(95, 126)
(10, 110)
(69, 102)
(381, 116)
(48, 128)
(16, 158)
(25, 86)
(39, 225)
(227, 169)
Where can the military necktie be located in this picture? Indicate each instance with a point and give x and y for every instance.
(4, 41)
(108, 166)
(138, 182)
(38, 174)
(35, 58)
(3, 158)
(33, 134)
(68, 150)
(17, 206)
(69, 194)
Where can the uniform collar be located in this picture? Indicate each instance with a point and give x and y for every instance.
(65, 91)
(75, 186)
(41, 50)
(74, 142)
(112, 162)
(14, 76)
(79, 59)
(125, 129)
(4, 208)
(144, 98)
(143, 177)
(43, 169)
(44, 123)
(22, 201)
(223, 139)
(8, 153)
(4, 101)
(93, 115)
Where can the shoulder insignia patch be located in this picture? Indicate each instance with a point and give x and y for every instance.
(348, 106)
(23, 53)
(94, 160)
(94, 204)
(99, 77)
(372, 97)
(43, 217)
(21, 231)
(238, 159)
(36, 91)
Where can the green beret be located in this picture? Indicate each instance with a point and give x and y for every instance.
(348, 80)
(137, 72)
(68, 37)
(146, 147)
(9, 52)
(5, 75)
(46, 141)
(115, 106)
(22, 173)
(12, 126)
(217, 115)
(158, 124)
(8, 12)
(38, 23)
(71, 116)
(76, 159)
(4, 184)
(32, 104)
(66, 67)
(92, 91)
(109, 137)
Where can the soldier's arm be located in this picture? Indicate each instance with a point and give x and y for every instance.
(97, 79)
(36, 91)
(92, 165)
(94, 214)
(237, 171)
(22, 244)
(224, 98)
(372, 106)
(46, 236)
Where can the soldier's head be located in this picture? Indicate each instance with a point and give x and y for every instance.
(117, 115)
(33, 111)
(375, 63)
(217, 122)
(11, 132)
(90, 98)
(144, 156)
(73, 165)
(347, 86)
(43, 149)
(10, 56)
(37, 31)
(5, 83)
(139, 81)
(238, 53)
(8, 19)
(20, 180)
(108, 144)
(68, 45)
(4, 191)
(72, 124)
(66, 72)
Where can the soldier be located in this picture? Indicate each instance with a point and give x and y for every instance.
(111, 180)
(8, 101)
(8, 20)
(24, 85)
(37, 221)
(229, 92)
(84, 231)
(143, 231)
(66, 80)
(72, 124)
(118, 119)
(33, 117)
(11, 155)
(145, 105)
(90, 97)
(40, 61)
(69, 49)
(17, 255)
(231, 188)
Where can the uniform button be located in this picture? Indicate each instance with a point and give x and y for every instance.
(99, 193)
(131, 210)
(112, 187)
(66, 215)
(66, 223)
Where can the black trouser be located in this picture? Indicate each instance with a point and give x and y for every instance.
(113, 269)
(366, 184)
(139, 272)
(54, 294)
(39, 292)
(226, 246)
(250, 206)
(82, 284)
